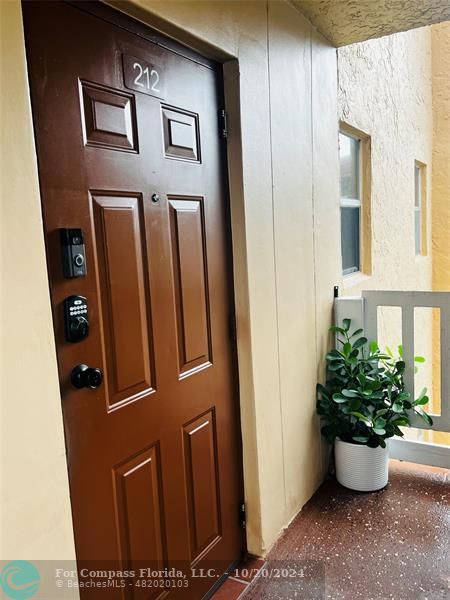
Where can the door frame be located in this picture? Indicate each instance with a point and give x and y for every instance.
(227, 68)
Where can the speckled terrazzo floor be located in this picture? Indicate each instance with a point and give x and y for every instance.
(392, 544)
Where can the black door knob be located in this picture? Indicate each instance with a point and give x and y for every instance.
(83, 376)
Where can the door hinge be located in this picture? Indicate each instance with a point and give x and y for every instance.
(223, 124)
(243, 515)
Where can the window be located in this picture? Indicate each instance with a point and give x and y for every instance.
(419, 209)
(350, 161)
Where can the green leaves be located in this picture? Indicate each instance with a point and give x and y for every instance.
(373, 347)
(357, 332)
(381, 412)
(335, 365)
(361, 417)
(360, 342)
(347, 349)
(401, 422)
(364, 399)
(355, 404)
(379, 430)
(322, 390)
(339, 398)
(426, 417)
(422, 399)
(336, 329)
(361, 439)
(361, 379)
(373, 385)
(346, 323)
(400, 366)
(350, 393)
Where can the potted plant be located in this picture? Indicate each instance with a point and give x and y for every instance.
(362, 404)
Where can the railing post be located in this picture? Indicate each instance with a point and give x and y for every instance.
(349, 307)
(363, 312)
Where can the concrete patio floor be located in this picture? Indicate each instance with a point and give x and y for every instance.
(344, 545)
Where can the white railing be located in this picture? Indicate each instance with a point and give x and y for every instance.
(364, 313)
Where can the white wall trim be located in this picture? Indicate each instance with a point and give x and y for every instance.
(420, 452)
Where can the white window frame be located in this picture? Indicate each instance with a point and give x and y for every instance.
(354, 202)
(419, 208)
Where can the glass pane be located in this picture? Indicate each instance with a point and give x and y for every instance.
(350, 239)
(417, 226)
(349, 157)
(417, 186)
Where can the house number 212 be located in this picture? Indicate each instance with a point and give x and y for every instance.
(143, 76)
(150, 77)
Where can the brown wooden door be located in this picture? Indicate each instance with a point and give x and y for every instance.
(134, 159)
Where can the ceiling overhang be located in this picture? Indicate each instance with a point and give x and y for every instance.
(345, 22)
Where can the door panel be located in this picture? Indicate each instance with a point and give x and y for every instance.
(109, 118)
(200, 460)
(191, 289)
(138, 497)
(181, 135)
(154, 452)
(122, 268)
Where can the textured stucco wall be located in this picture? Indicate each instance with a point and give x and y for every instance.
(385, 91)
(440, 45)
(440, 37)
(349, 21)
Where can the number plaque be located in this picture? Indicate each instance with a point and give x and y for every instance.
(142, 76)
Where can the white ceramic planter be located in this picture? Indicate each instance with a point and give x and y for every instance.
(361, 468)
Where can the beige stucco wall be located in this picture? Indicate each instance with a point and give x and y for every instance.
(284, 182)
(440, 45)
(385, 90)
(34, 501)
(440, 37)
(348, 21)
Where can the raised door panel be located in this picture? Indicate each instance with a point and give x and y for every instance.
(191, 288)
(123, 270)
(180, 134)
(200, 456)
(141, 524)
(108, 117)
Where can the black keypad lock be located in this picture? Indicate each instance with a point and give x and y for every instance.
(76, 318)
(73, 253)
